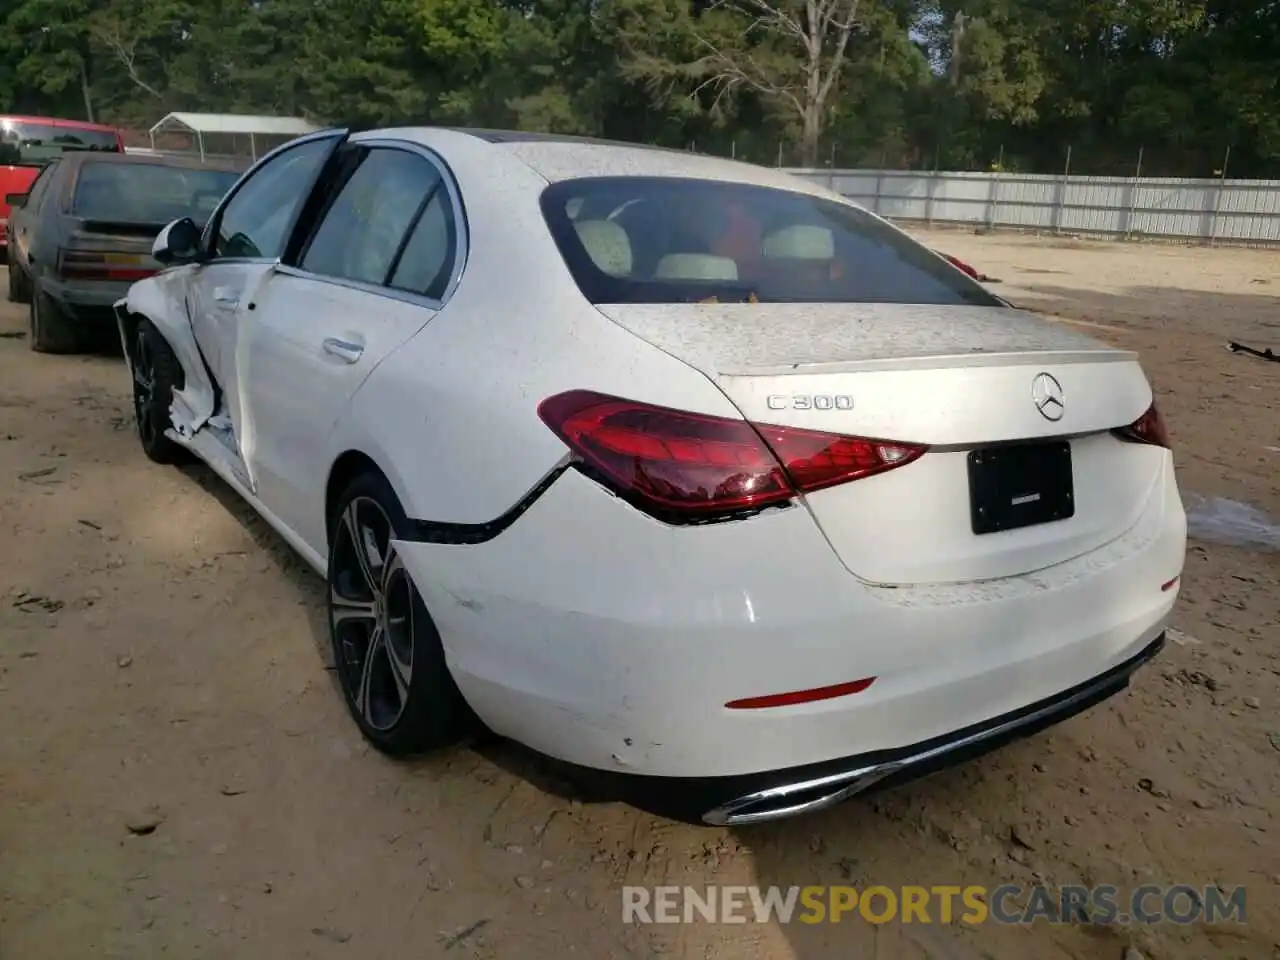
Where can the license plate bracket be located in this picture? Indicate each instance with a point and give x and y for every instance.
(1020, 485)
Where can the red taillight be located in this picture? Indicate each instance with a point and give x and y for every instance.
(1148, 428)
(692, 463)
(815, 460)
(957, 262)
(94, 265)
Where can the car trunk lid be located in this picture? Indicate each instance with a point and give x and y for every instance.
(978, 385)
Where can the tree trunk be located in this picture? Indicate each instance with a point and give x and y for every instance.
(810, 132)
(85, 91)
(957, 40)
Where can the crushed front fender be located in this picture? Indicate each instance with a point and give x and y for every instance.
(161, 300)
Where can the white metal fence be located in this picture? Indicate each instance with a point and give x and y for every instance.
(1222, 211)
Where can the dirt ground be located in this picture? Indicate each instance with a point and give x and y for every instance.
(162, 666)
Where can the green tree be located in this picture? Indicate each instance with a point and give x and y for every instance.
(47, 43)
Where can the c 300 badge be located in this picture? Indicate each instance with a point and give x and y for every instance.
(809, 401)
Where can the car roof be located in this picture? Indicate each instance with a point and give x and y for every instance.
(556, 157)
(531, 136)
(57, 122)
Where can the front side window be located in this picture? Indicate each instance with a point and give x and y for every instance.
(674, 240)
(257, 219)
(365, 227)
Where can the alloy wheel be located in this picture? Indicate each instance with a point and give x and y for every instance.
(371, 614)
(144, 388)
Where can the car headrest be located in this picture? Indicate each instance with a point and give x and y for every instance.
(800, 242)
(696, 266)
(606, 244)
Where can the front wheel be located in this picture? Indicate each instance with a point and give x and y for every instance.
(156, 375)
(386, 649)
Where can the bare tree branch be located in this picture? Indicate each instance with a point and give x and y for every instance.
(740, 68)
(820, 28)
(124, 49)
(843, 29)
(766, 13)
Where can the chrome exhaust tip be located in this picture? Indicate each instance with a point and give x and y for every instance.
(793, 799)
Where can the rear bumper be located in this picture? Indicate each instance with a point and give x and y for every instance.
(754, 799)
(600, 637)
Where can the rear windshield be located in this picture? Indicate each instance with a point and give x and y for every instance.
(667, 240)
(25, 142)
(148, 192)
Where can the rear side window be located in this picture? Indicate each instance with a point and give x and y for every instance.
(148, 192)
(365, 227)
(426, 264)
(670, 240)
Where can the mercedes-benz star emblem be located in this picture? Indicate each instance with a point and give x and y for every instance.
(1046, 394)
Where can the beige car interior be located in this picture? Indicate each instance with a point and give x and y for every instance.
(800, 242)
(609, 247)
(695, 266)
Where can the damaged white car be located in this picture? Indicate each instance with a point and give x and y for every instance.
(671, 467)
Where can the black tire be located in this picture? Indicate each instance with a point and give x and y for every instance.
(156, 374)
(403, 697)
(17, 281)
(52, 329)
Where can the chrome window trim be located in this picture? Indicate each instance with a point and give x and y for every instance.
(376, 289)
(462, 238)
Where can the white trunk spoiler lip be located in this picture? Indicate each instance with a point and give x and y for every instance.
(819, 338)
(939, 362)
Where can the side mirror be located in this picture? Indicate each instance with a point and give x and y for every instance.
(179, 242)
(15, 199)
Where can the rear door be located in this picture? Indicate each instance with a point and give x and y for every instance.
(370, 275)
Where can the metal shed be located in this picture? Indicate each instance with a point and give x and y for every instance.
(211, 130)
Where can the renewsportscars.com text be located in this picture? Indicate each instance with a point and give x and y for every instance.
(973, 905)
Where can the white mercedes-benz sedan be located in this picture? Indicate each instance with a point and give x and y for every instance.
(669, 467)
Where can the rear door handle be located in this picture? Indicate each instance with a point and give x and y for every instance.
(343, 349)
(226, 297)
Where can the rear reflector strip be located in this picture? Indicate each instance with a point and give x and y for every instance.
(1168, 585)
(94, 265)
(801, 696)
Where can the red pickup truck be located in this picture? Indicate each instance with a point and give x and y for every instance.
(27, 143)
